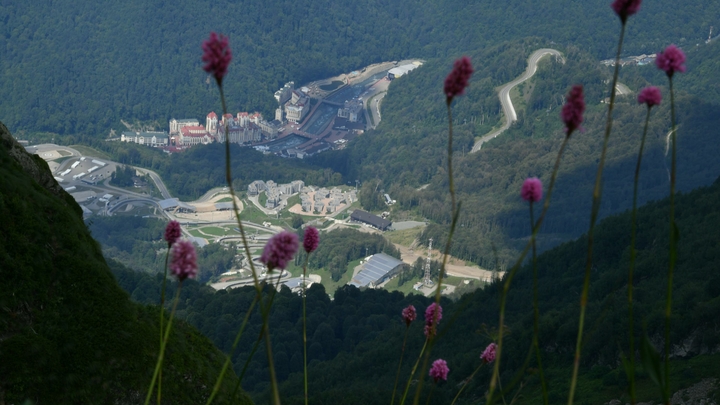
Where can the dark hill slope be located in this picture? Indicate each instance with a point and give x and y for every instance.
(68, 333)
(368, 372)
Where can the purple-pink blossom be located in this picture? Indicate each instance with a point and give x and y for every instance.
(172, 232)
(671, 60)
(488, 355)
(311, 239)
(531, 190)
(439, 370)
(409, 314)
(457, 80)
(216, 55)
(433, 315)
(572, 111)
(183, 262)
(650, 95)
(279, 250)
(626, 8)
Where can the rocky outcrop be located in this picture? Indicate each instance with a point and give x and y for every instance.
(36, 168)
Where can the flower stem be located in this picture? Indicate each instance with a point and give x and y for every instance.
(162, 318)
(466, 383)
(536, 311)
(597, 193)
(412, 372)
(506, 285)
(161, 356)
(216, 388)
(673, 248)
(305, 372)
(633, 254)
(397, 375)
(258, 288)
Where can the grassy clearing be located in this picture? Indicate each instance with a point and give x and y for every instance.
(215, 231)
(224, 199)
(327, 281)
(88, 151)
(404, 237)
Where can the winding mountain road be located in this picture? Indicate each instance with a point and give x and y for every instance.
(504, 94)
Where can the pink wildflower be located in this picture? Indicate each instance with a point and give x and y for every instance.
(488, 355)
(409, 314)
(439, 370)
(671, 60)
(433, 315)
(183, 263)
(531, 190)
(311, 239)
(172, 232)
(626, 8)
(572, 111)
(279, 250)
(650, 95)
(216, 55)
(457, 80)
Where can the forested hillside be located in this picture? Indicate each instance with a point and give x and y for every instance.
(79, 67)
(408, 149)
(354, 340)
(68, 333)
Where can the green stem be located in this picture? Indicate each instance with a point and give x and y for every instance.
(412, 372)
(536, 311)
(397, 375)
(430, 394)
(511, 274)
(597, 193)
(162, 319)
(466, 383)
(673, 249)
(633, 254)
(258, 289)
(247, 363)
(305, 372)
(225, 366)
(161, 356)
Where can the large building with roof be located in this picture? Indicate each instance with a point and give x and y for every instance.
(370, 219)
(401, 70)
(376, 270)
(175, 205)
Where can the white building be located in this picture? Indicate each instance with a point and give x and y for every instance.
(177, 125)
(211, 123)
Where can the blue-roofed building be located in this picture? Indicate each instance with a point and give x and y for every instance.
(376, 270)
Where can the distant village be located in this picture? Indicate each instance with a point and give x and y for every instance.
(311, 119)
(243, 128)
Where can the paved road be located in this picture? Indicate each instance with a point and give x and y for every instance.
(158, 182)
(507, 106)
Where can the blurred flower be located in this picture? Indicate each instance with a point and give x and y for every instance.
(626, 8)
(572, 111)
(433, 315)
(183, 262)
(311, 239)
(488, 355)
(216, 55)
(650, 95)
(439, 370)
(458, 78)
(172, 232)
(671, 60)
(279, 250)
(409, 314)
(531, 190)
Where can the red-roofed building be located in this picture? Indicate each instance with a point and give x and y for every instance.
(194, 135)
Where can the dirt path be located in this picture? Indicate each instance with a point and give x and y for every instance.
(455, 267)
